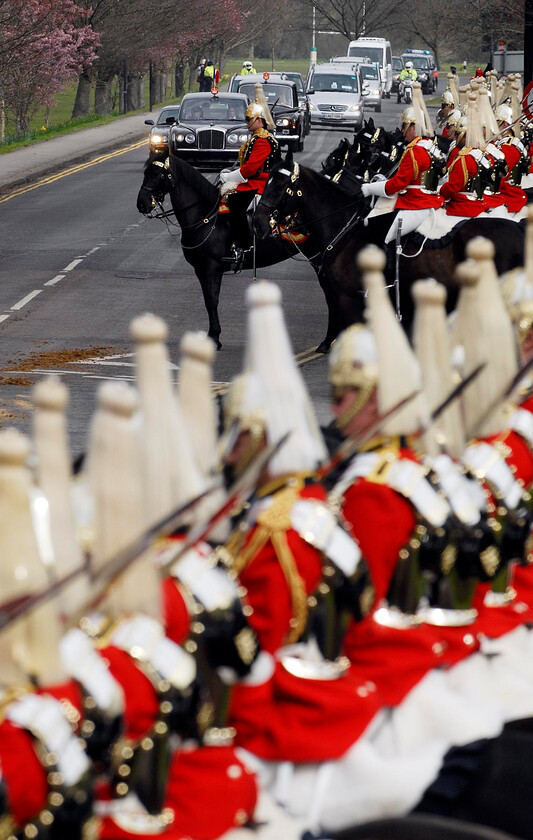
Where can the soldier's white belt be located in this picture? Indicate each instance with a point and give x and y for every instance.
(317, 525)
(521, 421)
(44, 717)
(487, 463)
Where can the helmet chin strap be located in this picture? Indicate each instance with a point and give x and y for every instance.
(363, 395)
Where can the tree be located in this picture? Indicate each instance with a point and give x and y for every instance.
(354, 18)
(47, 45)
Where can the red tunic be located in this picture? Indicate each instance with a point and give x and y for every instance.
(253, 167)
(513, 197)
(407, 181)
(458, 201)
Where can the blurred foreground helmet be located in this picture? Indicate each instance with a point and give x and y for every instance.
(447, 98)
(454, 118)
(408, 116)
(504, 113)
(461, 125)
(255, 110)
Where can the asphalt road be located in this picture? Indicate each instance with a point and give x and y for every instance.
(78, 262)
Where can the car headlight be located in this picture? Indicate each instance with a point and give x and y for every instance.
(354, 107)
(423, 76)
(232, 138)
(190, 138)
(157, 138)
(283, 121)
(313, 107)
(243, 137)
(179, 138)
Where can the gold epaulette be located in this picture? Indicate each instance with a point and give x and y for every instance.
(261, 132)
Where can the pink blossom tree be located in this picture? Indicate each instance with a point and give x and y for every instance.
(43, 45)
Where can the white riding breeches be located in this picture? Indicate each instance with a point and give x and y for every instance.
(411, 219)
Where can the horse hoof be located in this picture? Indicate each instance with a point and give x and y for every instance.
(219, 345)
(323, 347)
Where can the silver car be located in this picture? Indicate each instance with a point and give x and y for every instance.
(372, 86)
(335, 94)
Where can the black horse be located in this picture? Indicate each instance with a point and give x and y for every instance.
(374, 151)
(328, 215)
(206, 235)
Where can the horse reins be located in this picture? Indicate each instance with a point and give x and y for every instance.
(164, 215)
(294, 175)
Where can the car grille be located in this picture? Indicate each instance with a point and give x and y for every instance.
(333, 107)
(211, 139)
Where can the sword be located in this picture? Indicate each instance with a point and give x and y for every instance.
(12, 610)
(353, 444)
(508, 390)
(237, 495)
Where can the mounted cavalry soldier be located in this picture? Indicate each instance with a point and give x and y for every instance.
(414, 186)
(516, 157)
(256, 158)
(464, 189)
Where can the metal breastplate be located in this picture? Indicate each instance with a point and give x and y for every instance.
(274, 156)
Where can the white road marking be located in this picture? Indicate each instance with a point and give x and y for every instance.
(20, 303)
(54, 280)
(4, 318)
(72, 264)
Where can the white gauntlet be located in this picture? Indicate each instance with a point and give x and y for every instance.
(375, 188)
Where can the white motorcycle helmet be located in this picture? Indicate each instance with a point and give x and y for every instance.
(247, 65)
(408, 65)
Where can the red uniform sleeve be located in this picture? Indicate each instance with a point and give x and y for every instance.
(460, 171)
(256, 161)
(413, 162)
(512, 155)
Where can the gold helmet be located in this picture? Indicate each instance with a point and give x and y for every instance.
(255, 110)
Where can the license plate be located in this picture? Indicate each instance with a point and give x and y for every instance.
(332, 116)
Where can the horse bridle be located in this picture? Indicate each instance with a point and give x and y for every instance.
(289, 193)
(158, 198)
(157, 195)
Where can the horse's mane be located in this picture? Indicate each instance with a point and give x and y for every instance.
(183, 171)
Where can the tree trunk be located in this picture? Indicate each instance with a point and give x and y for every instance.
(103, 103)
(160, 87)
(136, 93)
(179, 74)
(82, 103)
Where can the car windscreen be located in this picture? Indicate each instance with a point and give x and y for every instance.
(369, 72)
(214, 110)
(420, 62)
(397, 64)
(297, 79)
(340, 82)
(274, 94)
(370, 53)
(169, 112)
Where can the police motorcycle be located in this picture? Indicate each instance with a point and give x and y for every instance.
(405, 91)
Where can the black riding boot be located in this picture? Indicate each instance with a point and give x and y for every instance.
(238, 204)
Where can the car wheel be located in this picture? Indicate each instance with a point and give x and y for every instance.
(293, 145)
(378, 108)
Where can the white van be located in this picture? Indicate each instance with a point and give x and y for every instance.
(375, 50)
